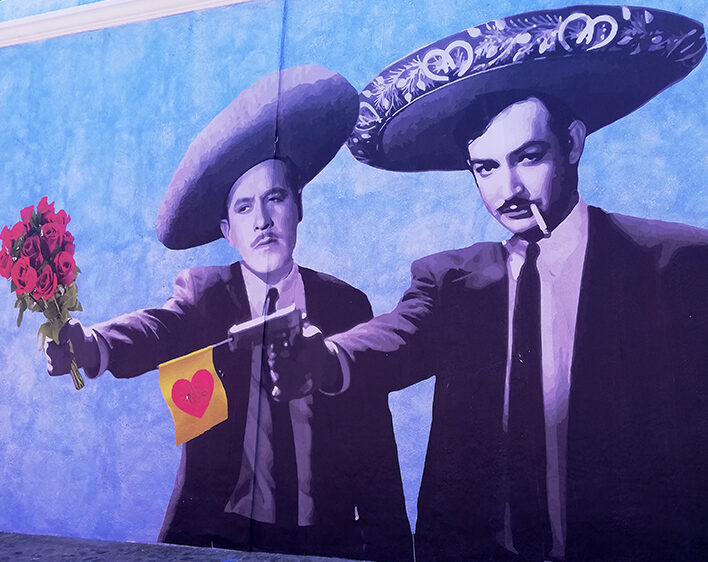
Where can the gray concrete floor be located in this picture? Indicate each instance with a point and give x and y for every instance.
(20, 547)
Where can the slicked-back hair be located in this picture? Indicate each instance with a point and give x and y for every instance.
(475, 121)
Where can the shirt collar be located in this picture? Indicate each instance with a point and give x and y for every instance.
(256, 288)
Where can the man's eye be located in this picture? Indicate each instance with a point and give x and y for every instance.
(484, 169)
(243, 209)
(276, 198)
(531, 157)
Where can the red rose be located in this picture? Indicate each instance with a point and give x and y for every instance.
(31, 249)
(5, 237)
(24, 275)
(45, 209)
(46, 284)
(26, 214)
(61, 217)
(69, 242)
(47, 217)
(65, 266)
(10, 235)
(5, 264)
(52, 235)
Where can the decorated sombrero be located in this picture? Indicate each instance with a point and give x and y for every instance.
(302, 114)
(603, 62)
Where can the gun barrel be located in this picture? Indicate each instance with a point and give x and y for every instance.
(262, 329)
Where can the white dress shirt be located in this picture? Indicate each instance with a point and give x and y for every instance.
(254, 495)
(560, 267)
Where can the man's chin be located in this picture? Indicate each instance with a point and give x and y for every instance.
(518, 226)
(269, 270)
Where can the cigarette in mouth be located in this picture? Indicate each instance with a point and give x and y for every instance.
(539, 219)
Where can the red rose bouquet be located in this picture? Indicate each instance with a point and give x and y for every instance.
(37, 256)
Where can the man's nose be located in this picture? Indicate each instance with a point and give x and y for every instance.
(262, 218)
(513, 183)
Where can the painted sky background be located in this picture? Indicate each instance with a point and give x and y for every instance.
(11, 9)
(99, 122)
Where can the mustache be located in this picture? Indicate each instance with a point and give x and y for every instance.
(269, 235)
(514, 204)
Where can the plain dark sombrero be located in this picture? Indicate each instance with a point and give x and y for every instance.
(303, 113)
(603, 62)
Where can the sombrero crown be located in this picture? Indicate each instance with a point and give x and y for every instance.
(603, 62)
(302, 114)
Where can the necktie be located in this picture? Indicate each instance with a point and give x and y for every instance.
(526, 450)
(284, 463)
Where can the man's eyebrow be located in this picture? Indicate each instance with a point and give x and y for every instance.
(542, 145)
(473, 161)
(276, 189)
(240, 200)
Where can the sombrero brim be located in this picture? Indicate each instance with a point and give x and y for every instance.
(602, 61)
(304, 113)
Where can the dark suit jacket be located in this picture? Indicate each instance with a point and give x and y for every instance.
(354, 458)
(637, 485)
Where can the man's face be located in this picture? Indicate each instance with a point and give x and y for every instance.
(518, 161)
(262, 218)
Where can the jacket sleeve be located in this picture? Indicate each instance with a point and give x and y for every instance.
(399, 345)
(139, 341)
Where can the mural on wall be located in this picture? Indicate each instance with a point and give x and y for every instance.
(567, 354)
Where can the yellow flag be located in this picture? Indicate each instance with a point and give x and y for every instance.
(194, 394)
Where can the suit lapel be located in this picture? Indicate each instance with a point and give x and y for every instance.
(597, 344)
(616, 396)
(487, 306)
(596, 357)
(211, 461)
(332, 418)
(476, 311)
(316, 300)
(236, 366)
(236, 289)
(221, 448)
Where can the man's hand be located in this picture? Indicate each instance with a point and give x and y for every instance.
(85, 346)
(303, 367)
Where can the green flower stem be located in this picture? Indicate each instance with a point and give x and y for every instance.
(56, 322)
(75, 373)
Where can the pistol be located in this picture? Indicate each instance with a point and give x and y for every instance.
(281, 326)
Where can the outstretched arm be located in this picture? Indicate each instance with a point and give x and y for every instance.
(397, 349)
(133, 343)
(391, 351)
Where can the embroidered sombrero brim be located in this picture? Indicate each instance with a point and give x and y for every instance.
(303, 113)
(603, 62)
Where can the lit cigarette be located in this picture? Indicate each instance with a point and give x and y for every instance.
(539, 219)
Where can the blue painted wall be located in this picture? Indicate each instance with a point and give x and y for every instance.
(99, 121)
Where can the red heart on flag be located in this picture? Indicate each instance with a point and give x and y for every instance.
(193, 397)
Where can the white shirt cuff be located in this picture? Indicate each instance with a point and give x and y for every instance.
(343, 365)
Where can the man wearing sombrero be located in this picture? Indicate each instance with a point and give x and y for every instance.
(570, 418)
(312, 476)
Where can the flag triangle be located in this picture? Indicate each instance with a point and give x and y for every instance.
(194, 393)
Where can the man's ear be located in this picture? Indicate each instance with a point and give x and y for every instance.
(577, 133)
(224, 226)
